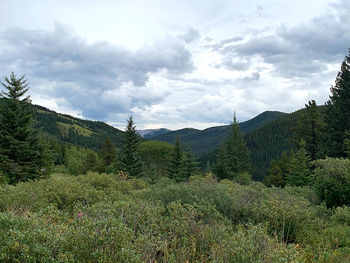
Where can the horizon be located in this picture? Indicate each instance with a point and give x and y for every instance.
(191, 65)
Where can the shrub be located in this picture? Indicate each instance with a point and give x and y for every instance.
(332, 178)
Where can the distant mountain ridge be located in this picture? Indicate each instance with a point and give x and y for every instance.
(207, 140)
(150, 133)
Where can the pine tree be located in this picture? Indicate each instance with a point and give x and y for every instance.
(130, 152)
(234, 154)
(338, 112)
(299, 172)
(189, 164)
(20, 151)
(275, 176)
(108, 154)
(278, 171)
(221, 169)
(175, 169)
(309, 128)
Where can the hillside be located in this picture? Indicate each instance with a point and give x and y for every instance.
(65, 128)
(151, 133)
(203, 141)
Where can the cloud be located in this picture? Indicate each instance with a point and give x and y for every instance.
(191, 35)
(297, 51)
(97, 78)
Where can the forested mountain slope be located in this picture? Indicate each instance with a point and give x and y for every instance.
(90, 134)
(203, 141)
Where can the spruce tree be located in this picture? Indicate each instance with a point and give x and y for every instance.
(299, 172)
(338, 112)
(278, 171)
(221, 169)
(175, 169)
(275, 176)
(108, 154)
(189, 164)
(130, 152)
(309, 128)
(234, 156)
(20, 150)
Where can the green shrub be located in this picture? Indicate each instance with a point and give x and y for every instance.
(332, 181)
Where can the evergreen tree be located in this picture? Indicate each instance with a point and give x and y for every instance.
(130, 152)
(207, 169)
(175, 169)
(299, 172)
(108, 154)
(275, 176)
(221, 169)
(338, 112)
(190, 165)
(233, 156)
(309, 129)
(278, 171)
(20, 151)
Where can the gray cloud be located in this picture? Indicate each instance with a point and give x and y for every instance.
(300, 50)
(191, 35)
(86, 74)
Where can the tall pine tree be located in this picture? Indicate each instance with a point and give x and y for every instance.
(234, 156)
(309, 128)
(20, 149)
(299, 172)
(108, 154)
(175, 169)
(130, 152)
(338, 112)
(189, 164)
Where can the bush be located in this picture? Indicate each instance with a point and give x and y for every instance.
(332, 181)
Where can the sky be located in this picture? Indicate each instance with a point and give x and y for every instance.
(174, 64)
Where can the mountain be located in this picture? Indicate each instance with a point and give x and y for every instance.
(151, 133)
(68, 129)
(203, 141)
(269, 141)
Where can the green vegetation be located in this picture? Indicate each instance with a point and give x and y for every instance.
(130, 156)
(338, 112)
(233, 158)
(20, 149)
(104, 218)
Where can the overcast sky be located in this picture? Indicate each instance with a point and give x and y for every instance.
(174, 64)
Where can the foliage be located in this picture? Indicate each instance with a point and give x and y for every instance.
(20, 149)
(310, 128)
(332, 181)
(80, 160)
(107, 154)
(299, 172)
(156, 157)
(278, 171)
(130, 156)
(70, 130)
(233, 156)
(189, 164)
(338, 112)
(175, 169)
(107, 218)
